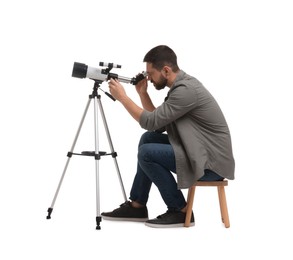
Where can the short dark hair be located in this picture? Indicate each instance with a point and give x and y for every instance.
(161, 56)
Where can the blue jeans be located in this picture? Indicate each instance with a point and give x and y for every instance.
(156, 164)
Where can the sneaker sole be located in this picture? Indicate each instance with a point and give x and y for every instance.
(125, 219)
(167, 225)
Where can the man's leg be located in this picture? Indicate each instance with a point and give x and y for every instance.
(142, 182)
(136, 210)
(157, 162)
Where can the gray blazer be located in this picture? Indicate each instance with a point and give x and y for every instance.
(197, 130)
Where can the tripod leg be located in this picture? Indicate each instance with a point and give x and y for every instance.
(114, 154)
(68, 159)
(97, 158)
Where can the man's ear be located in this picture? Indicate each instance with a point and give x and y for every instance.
(166, 71)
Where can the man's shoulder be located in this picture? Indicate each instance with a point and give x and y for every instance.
(186, 79)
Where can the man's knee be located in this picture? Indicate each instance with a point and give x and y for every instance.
(153, 137)
(145, 138)
(143, 154)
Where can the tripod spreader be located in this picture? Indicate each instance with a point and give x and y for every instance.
(93, 153)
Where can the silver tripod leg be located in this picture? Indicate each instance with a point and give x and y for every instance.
(68, 159)
(97, 157)
(112, 148)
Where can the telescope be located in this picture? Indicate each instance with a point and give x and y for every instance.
(81, 70)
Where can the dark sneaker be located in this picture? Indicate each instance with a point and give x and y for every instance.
(169, 219)
(127, 213)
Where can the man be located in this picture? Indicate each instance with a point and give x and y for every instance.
(196, 145)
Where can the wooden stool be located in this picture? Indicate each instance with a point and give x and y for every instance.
(222, 199)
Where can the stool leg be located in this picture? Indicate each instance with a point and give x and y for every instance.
(190, 198)
(223, 206)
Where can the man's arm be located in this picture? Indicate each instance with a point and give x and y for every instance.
(146, 102)
(134, 110)
(118, 92)
(145, 99)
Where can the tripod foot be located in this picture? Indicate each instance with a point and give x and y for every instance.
(49, 213)
(98, 220)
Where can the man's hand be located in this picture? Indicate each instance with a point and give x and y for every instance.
(118, 92)
(142, 90)
(116, 89)
(142, 86)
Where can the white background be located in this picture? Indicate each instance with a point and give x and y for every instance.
(240, 50)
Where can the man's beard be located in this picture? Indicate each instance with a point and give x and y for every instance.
(161, 84)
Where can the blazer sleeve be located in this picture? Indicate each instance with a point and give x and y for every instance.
(181, 99)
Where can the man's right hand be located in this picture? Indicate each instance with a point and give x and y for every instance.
(141, 86)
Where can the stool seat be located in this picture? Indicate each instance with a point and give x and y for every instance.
(222, 200)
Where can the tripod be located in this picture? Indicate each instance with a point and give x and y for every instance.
(96, 154)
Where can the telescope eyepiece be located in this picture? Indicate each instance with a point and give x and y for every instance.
(138, 78)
